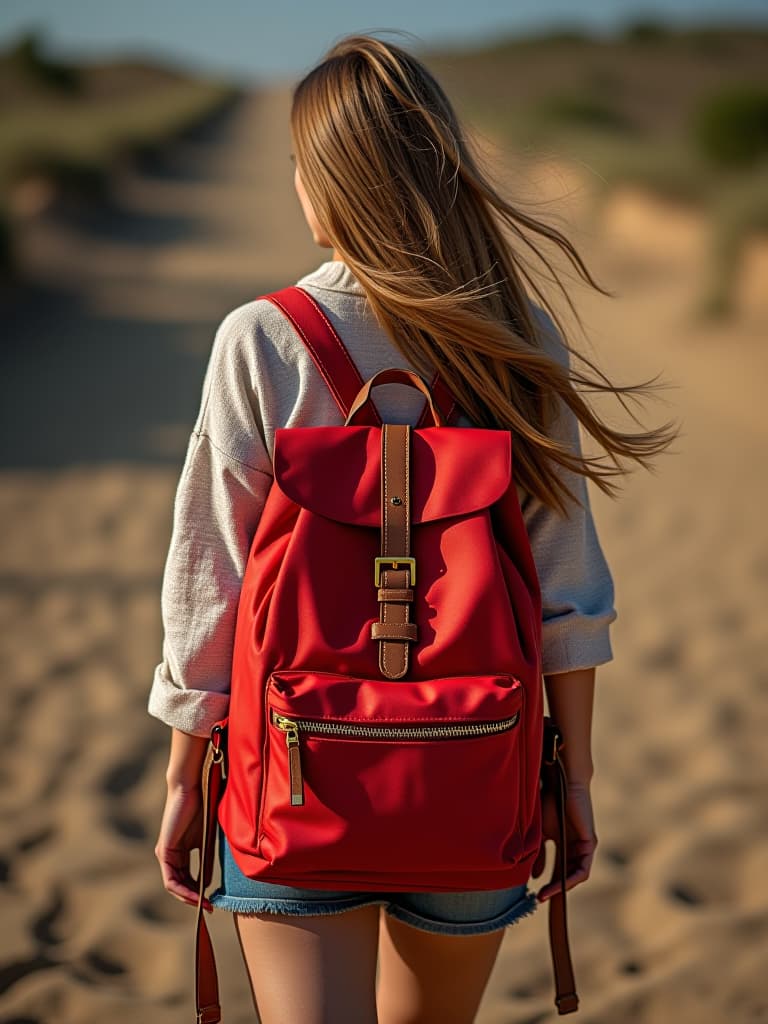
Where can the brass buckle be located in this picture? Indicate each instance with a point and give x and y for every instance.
(391, 562)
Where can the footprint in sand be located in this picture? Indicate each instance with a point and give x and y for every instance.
(13, 972)
(631, 967)
(159, 908)
(124, 776)
(127, 826)
(102, 964)
(34, 839)
(44, 926)
(705, 872)
(613, 855)
(666, 657)
(682, 893)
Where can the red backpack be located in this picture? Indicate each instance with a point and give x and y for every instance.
(386, 725)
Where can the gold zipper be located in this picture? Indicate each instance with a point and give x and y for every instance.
(291, 727)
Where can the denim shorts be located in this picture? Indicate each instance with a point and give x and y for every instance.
(450, 913)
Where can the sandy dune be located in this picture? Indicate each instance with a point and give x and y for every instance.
(101, 368)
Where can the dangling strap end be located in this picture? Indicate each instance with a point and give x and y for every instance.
(207, 1006)
(554, 773)
(568, 1003)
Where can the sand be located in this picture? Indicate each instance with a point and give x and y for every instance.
(102, 361)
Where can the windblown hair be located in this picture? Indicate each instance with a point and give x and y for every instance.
(403, 200)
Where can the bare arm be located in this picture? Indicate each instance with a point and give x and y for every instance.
(570, 696)
(181, 827)
(185, 761)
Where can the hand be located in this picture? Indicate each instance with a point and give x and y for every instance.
(181, 831)
(581, 840)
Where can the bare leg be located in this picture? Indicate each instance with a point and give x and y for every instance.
(316, 969)
(426, 978)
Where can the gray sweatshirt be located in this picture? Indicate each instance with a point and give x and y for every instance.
(260, 377)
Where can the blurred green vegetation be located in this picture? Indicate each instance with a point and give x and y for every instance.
(71, 124)
(25, 60)
(731, 127)
(683, 113)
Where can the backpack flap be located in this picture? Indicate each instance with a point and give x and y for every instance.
(336, 471)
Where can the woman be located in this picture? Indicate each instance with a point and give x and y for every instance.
(423, 277)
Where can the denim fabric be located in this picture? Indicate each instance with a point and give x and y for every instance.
(450, 913)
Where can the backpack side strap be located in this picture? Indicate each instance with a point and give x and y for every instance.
(207, 1008)
(555, 781)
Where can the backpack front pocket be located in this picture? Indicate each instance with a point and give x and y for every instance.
(400, 776)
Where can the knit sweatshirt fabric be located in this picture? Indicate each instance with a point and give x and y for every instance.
(260, 377)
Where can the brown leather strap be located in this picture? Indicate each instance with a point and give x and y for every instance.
(394, 631)
(396, 375)
(206, 981)
(555, 779)
(392, 594)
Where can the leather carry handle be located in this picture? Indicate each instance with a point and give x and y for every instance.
(395, 375)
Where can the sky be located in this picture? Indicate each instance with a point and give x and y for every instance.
(252, 40)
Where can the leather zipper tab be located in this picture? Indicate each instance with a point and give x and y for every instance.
(291, 730)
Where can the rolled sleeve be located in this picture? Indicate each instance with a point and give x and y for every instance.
(576, 584)
(192, 711)
(576, 589)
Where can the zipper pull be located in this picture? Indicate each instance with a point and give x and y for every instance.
(291, 730)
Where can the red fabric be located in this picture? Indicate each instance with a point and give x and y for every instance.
(441, 815)
(307, 463)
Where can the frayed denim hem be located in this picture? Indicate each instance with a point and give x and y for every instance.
(523, 908)
(300, 908)
(297, 908)
(449, 913)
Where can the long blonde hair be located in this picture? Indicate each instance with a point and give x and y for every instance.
(401, 197)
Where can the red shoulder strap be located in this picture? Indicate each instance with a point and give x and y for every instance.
(334, 362)
(445, 400)
(324, 345)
